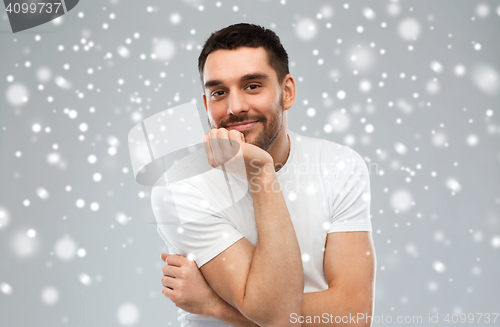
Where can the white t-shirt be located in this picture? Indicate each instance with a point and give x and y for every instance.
(326, 187)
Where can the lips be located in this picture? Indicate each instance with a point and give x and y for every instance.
(242, 126)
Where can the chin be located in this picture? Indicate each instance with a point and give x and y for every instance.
(250, 139)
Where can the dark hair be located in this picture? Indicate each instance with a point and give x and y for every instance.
(247, 35)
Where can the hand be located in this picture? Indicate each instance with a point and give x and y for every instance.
(185, 285)
(228, 148)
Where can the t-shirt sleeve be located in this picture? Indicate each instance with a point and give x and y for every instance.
(350, 194)
(190, 225)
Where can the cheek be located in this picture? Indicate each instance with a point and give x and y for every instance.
(215, 111)
(265, 103)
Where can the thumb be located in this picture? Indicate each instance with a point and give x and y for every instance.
(164, 256)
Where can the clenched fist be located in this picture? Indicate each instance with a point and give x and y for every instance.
(228, 148)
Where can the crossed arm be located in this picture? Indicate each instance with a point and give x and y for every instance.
(263, 285)
(349, 268)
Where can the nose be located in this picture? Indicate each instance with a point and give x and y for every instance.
(237, 103)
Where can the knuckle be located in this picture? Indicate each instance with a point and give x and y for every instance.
(234, 133)
(221, 132)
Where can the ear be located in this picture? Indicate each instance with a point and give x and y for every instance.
(289, 92)
(205, 101)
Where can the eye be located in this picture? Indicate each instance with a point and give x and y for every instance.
(217, 93)
(256, 86)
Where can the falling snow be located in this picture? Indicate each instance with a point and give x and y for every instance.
(65, 248)
(413, 88)
(128, 314)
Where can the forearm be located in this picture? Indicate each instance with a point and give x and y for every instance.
(223, 311)
(327, 305)
(275, 283)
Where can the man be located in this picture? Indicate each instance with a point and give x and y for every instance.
(297, 248)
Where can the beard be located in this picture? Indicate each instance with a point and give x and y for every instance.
(271, 127)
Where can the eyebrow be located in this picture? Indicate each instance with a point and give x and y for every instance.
(246, 77)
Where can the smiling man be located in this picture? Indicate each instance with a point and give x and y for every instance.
(297, 248)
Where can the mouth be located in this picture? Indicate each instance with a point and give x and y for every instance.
(242, 126)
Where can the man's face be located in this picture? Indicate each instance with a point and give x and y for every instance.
(240, 86)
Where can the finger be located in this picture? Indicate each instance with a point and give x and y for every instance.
(208, 149)
(217, 153)
(171, 271)
(175, 260)
(228, 146)
(169, 282)
(236, 164)
(165, 256)
(237, 136)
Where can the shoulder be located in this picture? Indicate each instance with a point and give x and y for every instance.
(328, 153)
(318, 145)
(351, 158)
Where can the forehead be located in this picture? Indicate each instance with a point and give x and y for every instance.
(230, 65)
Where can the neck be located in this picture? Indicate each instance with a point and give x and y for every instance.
(280, 149)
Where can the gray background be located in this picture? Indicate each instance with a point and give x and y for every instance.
(434, 175)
